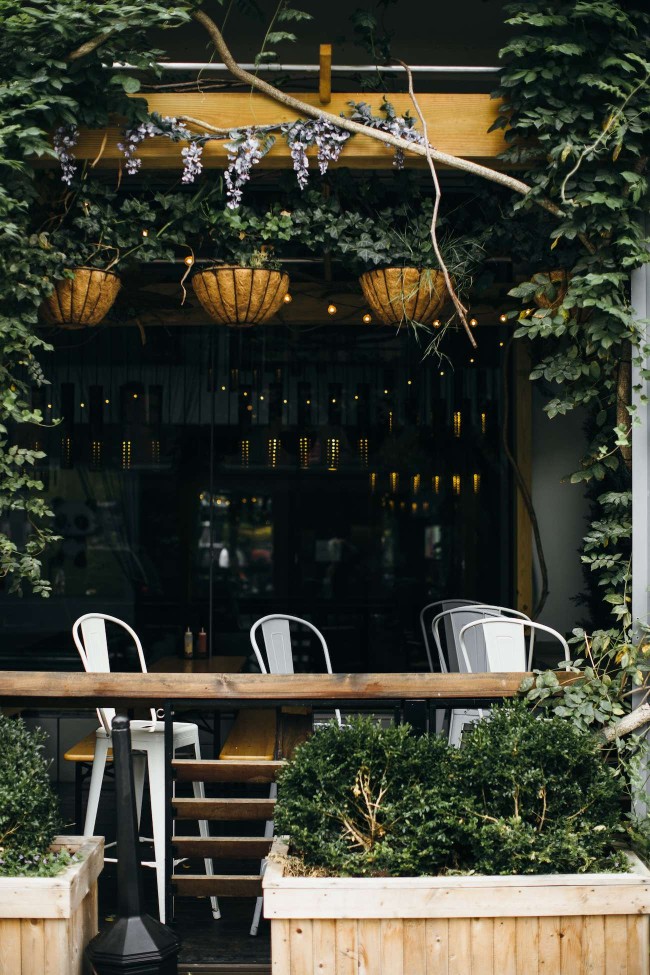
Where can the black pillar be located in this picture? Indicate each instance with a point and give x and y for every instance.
(136, 943)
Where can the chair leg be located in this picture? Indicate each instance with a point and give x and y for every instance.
(96, 779)
(204, 830)
(156, 766)
(268, 833)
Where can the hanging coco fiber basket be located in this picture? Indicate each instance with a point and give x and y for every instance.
(82, 300)
(404, 294)
(240, 296)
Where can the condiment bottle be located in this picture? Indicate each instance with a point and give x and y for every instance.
(202, 643)
(188, 644)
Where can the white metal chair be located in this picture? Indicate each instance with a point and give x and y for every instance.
(502, 648)
(433, 610)
(276, 634)
(452, 620)
(148, 742)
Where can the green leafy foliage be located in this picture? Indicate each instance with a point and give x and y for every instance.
(29, 815)
(576, 90)
(522, 795)
(248, 236)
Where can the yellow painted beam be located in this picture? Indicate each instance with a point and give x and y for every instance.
(457, 124)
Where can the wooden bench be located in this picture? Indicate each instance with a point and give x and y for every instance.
(83, 755)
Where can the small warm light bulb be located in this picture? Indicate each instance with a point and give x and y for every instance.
(471, 360)
(287, 299)
(107, 401)
(261, 397)
(367, 318)
(285, 401)
(442, 372)
(135, 396)
(356, 396)
(145, 232)
(503, 317)
(82, 405)
(223, 389)
(49, 406)
(436, 323)
(409, 382)
(500, 345)
(331, 309)
(333, 401)
(385, 392)
(473, 322)
(189, 260)
(308, 402)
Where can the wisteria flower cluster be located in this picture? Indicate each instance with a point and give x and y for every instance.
(328, 138)
(170, 128)
(244, 152)
(402, 126)
(65, 139)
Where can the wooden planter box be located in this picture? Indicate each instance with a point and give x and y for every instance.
(46, 922)
(560, 924)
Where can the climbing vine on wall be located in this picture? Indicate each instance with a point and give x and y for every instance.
(576, 90)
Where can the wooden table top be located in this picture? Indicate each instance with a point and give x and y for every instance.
(198, 665)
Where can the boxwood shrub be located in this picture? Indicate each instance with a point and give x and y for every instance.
(29, 814)
(522, 795)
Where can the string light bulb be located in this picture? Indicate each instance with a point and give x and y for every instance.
(503, 317)
(332, 309)
(367, 318)
(145, 232)
(473, 322)
(189, 260)
(436, 323)
(287, 299)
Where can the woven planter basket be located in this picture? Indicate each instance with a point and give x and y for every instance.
(240, 296)
(399, 294)
(558, 278)
(82, 300)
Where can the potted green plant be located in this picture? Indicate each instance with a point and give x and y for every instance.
(247, 286)
(100, 231)
(48, 883)
(405, 855)
(399, 272)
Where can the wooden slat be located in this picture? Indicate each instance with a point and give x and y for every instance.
(194, 770)
(225, 809)
(482, 946)
(252, 736)
(219, 885)
(549, 945)
(615, 945)
(300, 943)
(325, 74)
(10, 946)
(392, 947)
(32, 937)
(527, 945)
(570, 944)
(415, 947)
(593, 947)
(505, 947)
(457, 124)
(223, 847)
(638, 945)
(460, 961)
(75, 689)
(437, 935)
(368, 947)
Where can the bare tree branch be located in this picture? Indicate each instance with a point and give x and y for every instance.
(311, 111)
(89, 46)
(635, 719)
(458, 305)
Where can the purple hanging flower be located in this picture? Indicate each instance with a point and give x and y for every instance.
(65, 139)
(242, 156)
(192, 162)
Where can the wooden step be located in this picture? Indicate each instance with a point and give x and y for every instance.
(220, 885)
(201, 770)
(225, 809)
(252, 736)
(223, 847)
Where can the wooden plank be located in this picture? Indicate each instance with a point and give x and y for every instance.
(523, 442)
(280, 948)
(32, 947)
(295, 725)
(346, 947)
(415, 948)
(482, 946)
(223, 847)
(392, 953)
(59, 950)
(460, 960)
(457, 124)
(549, 945)
(368, 947)
(84, 750)
(73, 690)
(223, 885)
(527, 945)
(54, 897)
(237, 770)
(225, 809)
(593, 945)
(570, 944)
(615, 943)
(300, 946)
(505, 947)
(437, 938)
(325, 74)
(252, 736)
(638, 945)
(10, 946)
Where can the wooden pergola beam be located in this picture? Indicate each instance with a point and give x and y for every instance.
(457, 124)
